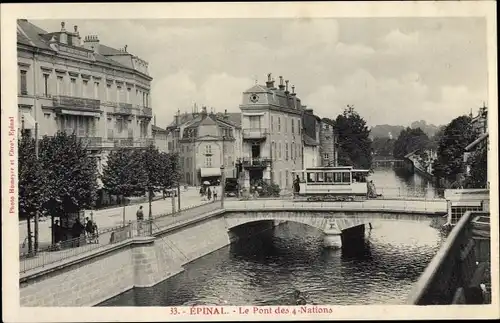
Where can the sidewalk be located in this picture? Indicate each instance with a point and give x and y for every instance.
(113, 217)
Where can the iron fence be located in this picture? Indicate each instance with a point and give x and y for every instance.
(68, 249)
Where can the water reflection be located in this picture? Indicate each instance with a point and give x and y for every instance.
(267, 269)
(392, 182)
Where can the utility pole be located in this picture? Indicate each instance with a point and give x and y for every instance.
(223, 177)
(36, 211)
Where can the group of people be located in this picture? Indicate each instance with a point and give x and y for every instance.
(78, 230)
(209, 193)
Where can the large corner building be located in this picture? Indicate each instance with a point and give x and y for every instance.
(81, 86)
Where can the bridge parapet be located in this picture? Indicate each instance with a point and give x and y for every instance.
(459, 267)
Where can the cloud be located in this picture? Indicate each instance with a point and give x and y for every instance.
(394, 70)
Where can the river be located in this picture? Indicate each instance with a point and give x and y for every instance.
(266, 269)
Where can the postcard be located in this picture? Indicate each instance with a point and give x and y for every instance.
(249, 161)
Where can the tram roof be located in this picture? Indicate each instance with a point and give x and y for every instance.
(330, 168)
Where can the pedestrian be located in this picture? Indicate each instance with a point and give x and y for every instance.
(209, 193)
(202, 192)
(89, 229)
(215, 194)
(57, 232)
(140, 217)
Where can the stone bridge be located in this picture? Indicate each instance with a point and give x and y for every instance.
(338, 221)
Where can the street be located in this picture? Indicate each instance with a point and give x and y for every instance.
(113, 217)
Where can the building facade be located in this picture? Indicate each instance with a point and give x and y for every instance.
(328, 143)
(99, 93)
(271, 134)
(160, 138)
(205, 141)
(311, 154)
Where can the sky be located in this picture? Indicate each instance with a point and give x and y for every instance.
(392, 70)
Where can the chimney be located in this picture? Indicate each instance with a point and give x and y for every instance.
(125, 48)
(225, 114)
(91, 42)
(75, 37)
(281, 86)
(286, 87)
(270, 82)
(204, 111)
(63, 37)
(293, 91)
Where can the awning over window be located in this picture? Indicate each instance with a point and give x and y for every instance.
(81, 113)
(210, 172)
(251, 114)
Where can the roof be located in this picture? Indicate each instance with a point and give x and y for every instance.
(157, 129)
(308, 141)
(233, 118)
(108, 51)
(32, 35)
(29, 34)
(476, 142)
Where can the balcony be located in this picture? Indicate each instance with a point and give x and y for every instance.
(257, 162)
(91, 142)
(123, 108)
(133, 142)
(71, 102)
(144, 111)
(255, 133)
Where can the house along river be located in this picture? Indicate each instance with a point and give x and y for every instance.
(266, 269)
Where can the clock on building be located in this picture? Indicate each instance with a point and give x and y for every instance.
(254, 97)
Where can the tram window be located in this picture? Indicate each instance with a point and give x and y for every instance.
(329, 177)
(311, 178)
(320, 177)
(337, 177)
(346, 177)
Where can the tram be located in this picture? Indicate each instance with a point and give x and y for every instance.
(342, 183)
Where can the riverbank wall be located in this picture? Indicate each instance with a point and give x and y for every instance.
(90, 279)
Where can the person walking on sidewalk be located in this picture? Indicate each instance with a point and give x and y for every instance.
(140, 217)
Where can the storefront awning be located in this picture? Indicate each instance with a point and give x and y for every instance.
(210, 172)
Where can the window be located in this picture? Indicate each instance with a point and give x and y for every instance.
(254, 122)
(337, 177)
(286, 125)
(346, 177)
(208, 150)
(325, 156)
(128, 94)
(279, 150)
(59, 85)
(85, 88)
(320, 177)
(279, 124)
(96, 90)
(72, 89)
(118, 93)
(208, 161)
(293, 126)
(24, 83)
(299, 126)
(286, 151)
(272, 123)
(108, 92)
(273, 150)
(286, 178)
(46, 85)
(329, 177)
(311, 177)
(292, 151)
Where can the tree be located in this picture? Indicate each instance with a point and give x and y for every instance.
(151, 162)
(354, 142)
(31, 184)
(123, 175)
(410, 140)
(449, 164)
(478, 162)
(383, 146)
(70, 176)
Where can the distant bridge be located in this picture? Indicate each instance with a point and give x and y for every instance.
(388, 162)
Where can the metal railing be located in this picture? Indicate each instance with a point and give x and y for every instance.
(454, 267)
(255, 162)
(76, 102)
(388, 205)
(123, 108)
